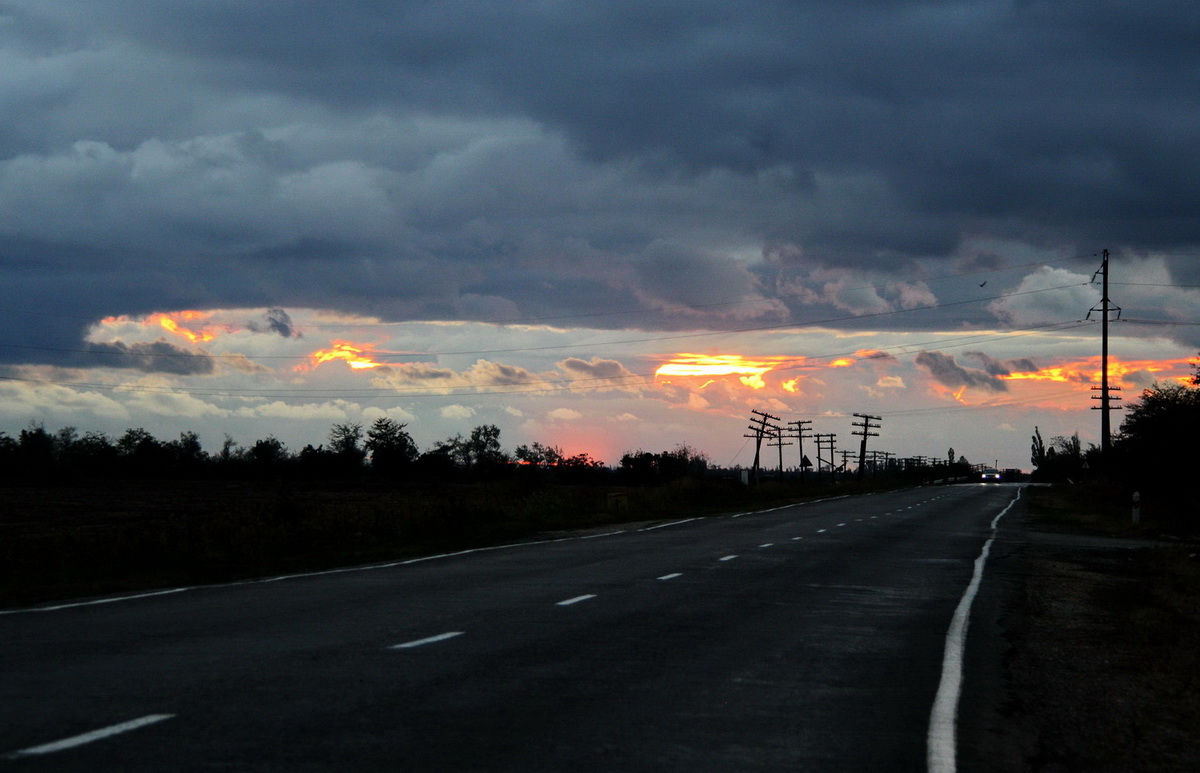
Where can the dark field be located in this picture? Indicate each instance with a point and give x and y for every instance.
(91, 538)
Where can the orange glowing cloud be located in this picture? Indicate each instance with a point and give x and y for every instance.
(171, 322)
(712, 366)
(1087, 372)
(357, 356)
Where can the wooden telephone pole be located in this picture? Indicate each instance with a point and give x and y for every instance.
(762, 428)
(866, 432)
(826, 442)
(800, 438)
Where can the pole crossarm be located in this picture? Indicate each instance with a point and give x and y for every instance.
(865, 432)
(1106, 398)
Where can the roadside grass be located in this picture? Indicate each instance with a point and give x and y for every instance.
(1086, 509)
(1106, 663)
(90, 538)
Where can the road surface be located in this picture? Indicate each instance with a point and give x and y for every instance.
(809, 637)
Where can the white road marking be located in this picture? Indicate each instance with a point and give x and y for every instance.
(796, 538)
(941, 740)
(820, 531)
(767, 545)
(841, 524)
(671, 576)
(728, 558)
(93, 602)
(429, 640)
(577, 599)
(671, 523)
(95, 735)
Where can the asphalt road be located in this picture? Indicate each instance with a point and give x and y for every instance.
(804, 638)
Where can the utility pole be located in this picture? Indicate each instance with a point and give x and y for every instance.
(762, 427)
(800, 438)
(866, 432)
(825, 442)
(1106, 397)
(780, 443)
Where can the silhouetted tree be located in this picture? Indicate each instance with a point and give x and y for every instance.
(1154, 450)
(392, 448)
(483, 448)
(269, 455)
(537, 454)
(344, 442)
(92, 454)
(36, 452)
(580, 468)
(642, 467)
(141, 453)
(1037, 449)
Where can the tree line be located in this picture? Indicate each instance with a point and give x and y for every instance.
(383, 451)
(1151, 453)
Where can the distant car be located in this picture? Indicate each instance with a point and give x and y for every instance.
(989, 475)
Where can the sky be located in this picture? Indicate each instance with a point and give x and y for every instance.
(606, 226)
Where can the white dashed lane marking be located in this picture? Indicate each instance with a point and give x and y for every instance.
(671, 576)
(428, 640)
(728, 558)
(85, 738)
(576, 600)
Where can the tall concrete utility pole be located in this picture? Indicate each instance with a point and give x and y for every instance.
(866, 432)
(1105, 397)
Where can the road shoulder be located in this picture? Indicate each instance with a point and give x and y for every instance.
(1081, 656)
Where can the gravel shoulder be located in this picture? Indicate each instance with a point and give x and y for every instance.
(1088, 647)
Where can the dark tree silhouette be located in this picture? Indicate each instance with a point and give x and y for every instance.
(392, 448)
(344, 440)
(1154, 451)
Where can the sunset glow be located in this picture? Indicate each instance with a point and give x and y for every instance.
(170, 322)
(357, 356)
(1087, 372)
(749, 371)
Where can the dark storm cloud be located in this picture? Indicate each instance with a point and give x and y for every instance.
(413, 160)
(155, 357)
(275, 321)
(949, 373)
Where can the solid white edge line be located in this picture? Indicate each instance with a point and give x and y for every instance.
(428, 640)
(576, 600)
(95, 735)
(941, 741)
(94, 602)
